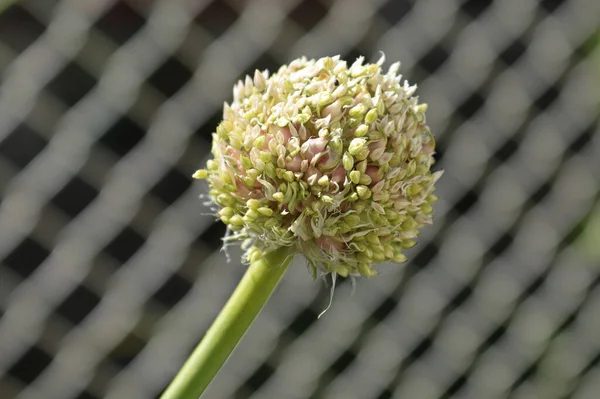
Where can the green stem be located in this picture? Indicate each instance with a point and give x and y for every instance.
(231, 324)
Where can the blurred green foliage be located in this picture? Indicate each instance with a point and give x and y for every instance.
(4, 4)
(589, 239)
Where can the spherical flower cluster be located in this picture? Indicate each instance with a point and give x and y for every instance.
(331, 160)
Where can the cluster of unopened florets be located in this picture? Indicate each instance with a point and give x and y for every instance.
(329, 159)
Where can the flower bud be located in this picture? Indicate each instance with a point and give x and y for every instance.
(200, 174)
(340, 172)
(361, 130)
(355, 176)
(348, 162)
(357, 145)
(371, 116)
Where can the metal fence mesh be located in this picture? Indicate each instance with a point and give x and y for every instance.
(110, 273)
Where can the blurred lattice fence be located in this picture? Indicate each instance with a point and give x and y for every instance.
(110, 273)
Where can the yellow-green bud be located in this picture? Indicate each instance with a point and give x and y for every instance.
(246, 163)
(363, 192)
(357, 111)
(324, 180)
(357, 145)
(236, 220)
(355, 176)
(200, 174)
(371, 116)
(253, 203)
(227, 212)
(352, 220)
(426, 208)
(399, 258)
(265, 211)
(408, 243)
(348, 161)
(365, 270)
(362, 130)
(225, 200)
(365, 179)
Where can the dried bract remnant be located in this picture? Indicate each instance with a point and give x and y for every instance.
(333, 160)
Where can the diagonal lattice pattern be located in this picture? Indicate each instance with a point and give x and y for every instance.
(110, 271)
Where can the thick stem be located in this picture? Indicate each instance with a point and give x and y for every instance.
(231, 324)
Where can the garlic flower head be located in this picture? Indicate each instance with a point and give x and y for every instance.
(330, 159)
